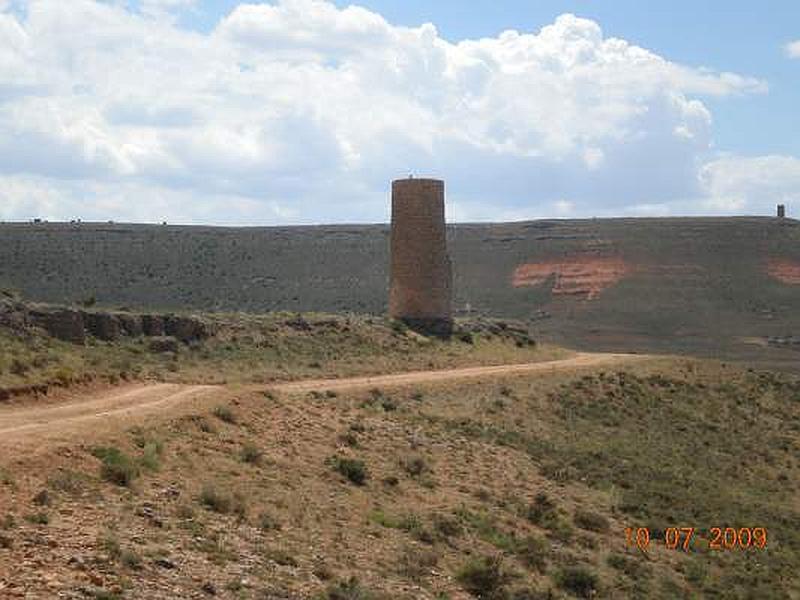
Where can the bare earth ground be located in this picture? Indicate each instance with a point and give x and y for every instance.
(241, 492)
(40, 445)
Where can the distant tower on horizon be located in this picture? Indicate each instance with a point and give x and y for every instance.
(421, 275)
(781, 211)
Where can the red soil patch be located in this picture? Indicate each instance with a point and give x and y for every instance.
(783, 270)
(584, 276)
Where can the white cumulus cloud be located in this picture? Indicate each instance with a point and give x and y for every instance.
(793, 49)
(299, 111)
(735, 183)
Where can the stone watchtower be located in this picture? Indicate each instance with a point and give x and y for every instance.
(781, 211)
(421, 275)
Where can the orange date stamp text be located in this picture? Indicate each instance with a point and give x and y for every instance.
(684, 538)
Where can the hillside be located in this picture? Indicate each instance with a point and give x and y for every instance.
(38, 353)
(508, 488)
(713, 286)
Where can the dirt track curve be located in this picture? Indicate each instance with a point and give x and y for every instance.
(31, 421)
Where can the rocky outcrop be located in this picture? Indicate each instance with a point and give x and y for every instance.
(186, 329)
(517, 331)
(63, 324)
(103, 326)
(163, 344)
(785, 341)
(131, 324)
(13, 314)
(74, 325)
(153, 325)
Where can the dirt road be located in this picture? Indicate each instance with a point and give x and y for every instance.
(31, 422)
(139, 399)
(583, 359)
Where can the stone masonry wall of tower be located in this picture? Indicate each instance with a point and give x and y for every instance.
(421, 274)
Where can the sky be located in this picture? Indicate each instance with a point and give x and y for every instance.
(303, 111)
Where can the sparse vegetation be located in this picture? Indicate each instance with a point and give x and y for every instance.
(415, 465)
(354, 470)
(281, 556)
(350, 589)
(116, 466)
(6, 478)
(532, 551)
(38, 518)
(67, 481)
(224, 413)
(416, 563)
(213, 498)
(545, 483)
(486, 578)
(277, 346)
(252, 454)
(268, 522)
(578, 581)
(591, 521)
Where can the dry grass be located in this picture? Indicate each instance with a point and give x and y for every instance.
(505, 489)
(257, 348)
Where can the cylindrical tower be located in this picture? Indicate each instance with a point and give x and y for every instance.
(421, 277)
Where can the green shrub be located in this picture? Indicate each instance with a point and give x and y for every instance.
(109, 542)
(6, 478)
(532, 551)
(38, 518)
(348, 590)
(416, 563)
(151, 455)
(117, 467)
(591, 521)
(349, 439)
(19, 368)
(415, 465)
(251, 454)
(130, 559)
(542, 512)
(66, 481)
(281, 557)
(447, 526)
(353, 469)
(485, 527)
(467, 337)
(221, 502)
(630, 566)
(578, 581)
(696, 572)
(42, 498)
(224, 413)
(541, 509)
(409, 522)
(184, 511)
(485, 578)
(399, 326)
(268, 522)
